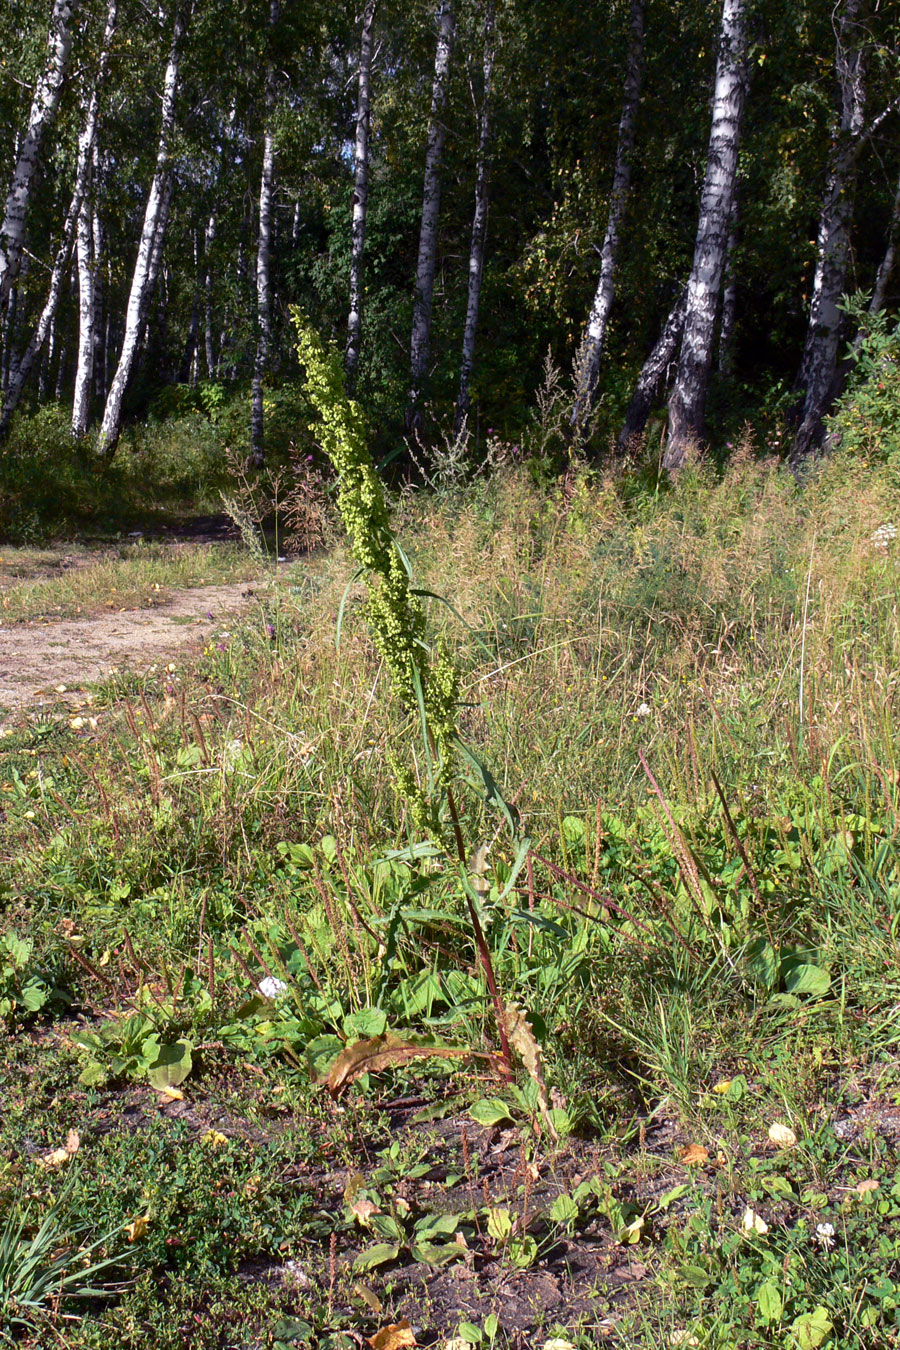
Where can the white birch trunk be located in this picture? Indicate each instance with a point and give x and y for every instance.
(818, 366)
(263, 251)
(653, 375)
(479, 224)
(77, 207)
(598, 319)
(154, 215)
(729, 296)
(100, 292)
(360, 197)
(688, 398)
(84, 373)
(431, 206)
(208, 239)
(43, 111)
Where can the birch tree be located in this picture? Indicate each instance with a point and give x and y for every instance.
(688, 398)
(45, 102)
(263, 252)
(86, 259)
(818, 364)
(598, 319)
(77, 209)
(155, 215)
(479, 222)
(360, 196)
(654, 374)
(420, 346)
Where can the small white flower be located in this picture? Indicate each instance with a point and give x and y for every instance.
(884, 536)
(825, 1234)
(271, 988)
(753, 1222)
(644, 710)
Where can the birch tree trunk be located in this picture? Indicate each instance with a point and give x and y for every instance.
(653, 375)
(818, 365)
(431, 205)
(479, 223)
(77, 209)
(155, 216)
(43, 111)
(263, 251)
(598, 319)
(360, 198)
(101, 318)
(81, 403)
(729, 296)
(688, 398)
(209, 344)
(87, 260)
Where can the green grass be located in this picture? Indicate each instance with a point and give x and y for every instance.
(690, 695)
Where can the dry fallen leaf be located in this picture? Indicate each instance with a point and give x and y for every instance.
(782, 1135)
(137, 1228)
(73, 1141)
(394, 1337)
(380, 1052)
(695, 1155)
(167, 1093)
(864, 1187)
(55, 1158)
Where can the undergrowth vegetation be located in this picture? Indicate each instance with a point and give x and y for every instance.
(220, 891)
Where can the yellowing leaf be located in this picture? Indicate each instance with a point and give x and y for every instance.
(522, 1040)
(394, 1337)
(380, 1052)
(782, 1135)
(695, 1155)
(722, 1086)
(55, 1158)
(168, 1093)
(137, 1228)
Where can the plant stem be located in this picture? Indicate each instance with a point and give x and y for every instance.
(481, 944)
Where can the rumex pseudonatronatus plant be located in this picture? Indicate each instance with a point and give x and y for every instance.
(424, 677)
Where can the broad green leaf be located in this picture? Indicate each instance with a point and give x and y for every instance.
(365, 1022)
(573, 828)
(172, 1065)
(695, 1276)
(523, 1251)
(807, 979)
(92, 1075)
(490, 1111)
(769, 1302)
(811, 1330)
(379, 1255)
(437, 1253)
(564, 1210)
(499, 1223)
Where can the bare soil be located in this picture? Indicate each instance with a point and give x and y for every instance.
(36, 658)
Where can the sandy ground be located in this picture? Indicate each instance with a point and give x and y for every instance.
(36, 658)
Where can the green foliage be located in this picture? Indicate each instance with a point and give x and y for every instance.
(46, 1265)
(866, 418)
(24, 990)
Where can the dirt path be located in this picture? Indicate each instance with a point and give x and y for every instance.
(35, 658)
